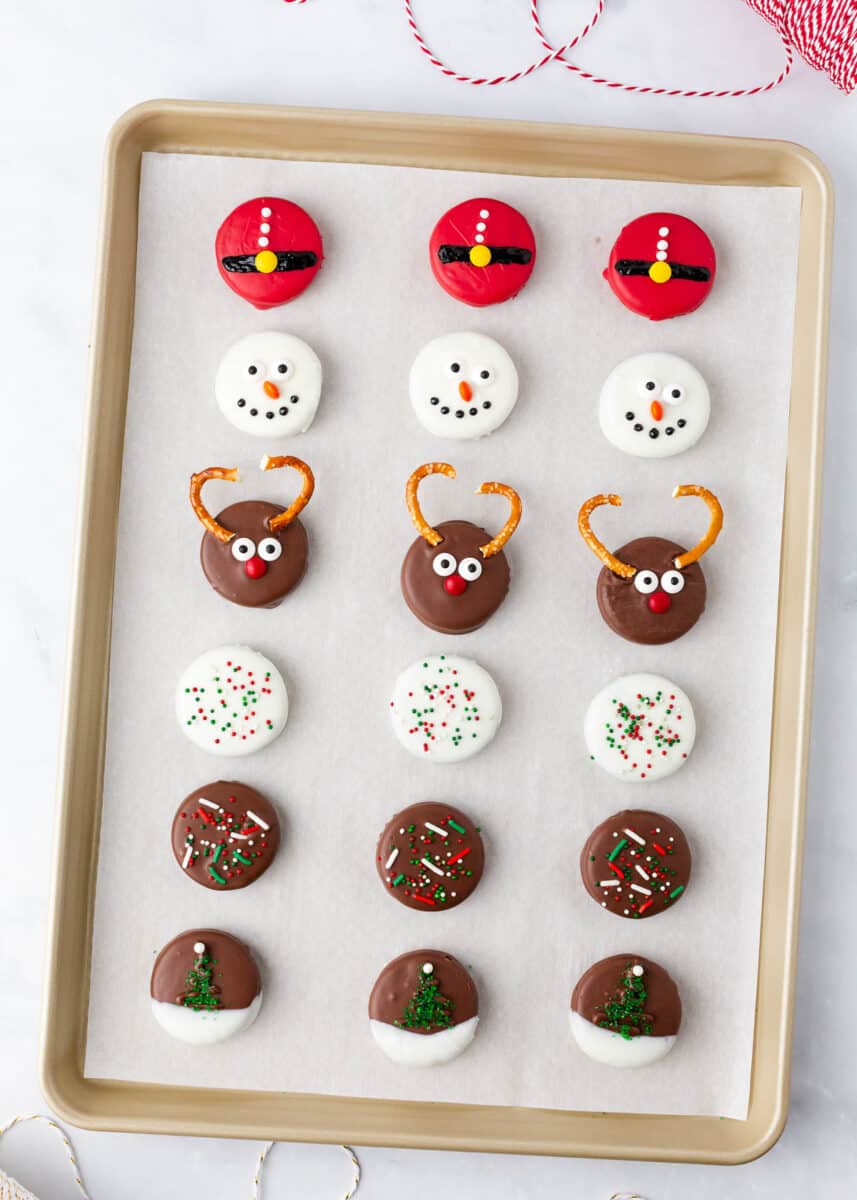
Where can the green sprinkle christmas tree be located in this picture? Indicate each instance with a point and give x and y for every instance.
(200, 992)
(428, 1007)
(624, 1012)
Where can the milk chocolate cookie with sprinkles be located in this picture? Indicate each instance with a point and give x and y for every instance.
(430, 856)
(424, 1008)
(205, 987)
(636, 863)
(225, 835)
(625, 1011)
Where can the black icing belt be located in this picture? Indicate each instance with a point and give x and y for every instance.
(639, 266)
(287, 260)
(499, 254)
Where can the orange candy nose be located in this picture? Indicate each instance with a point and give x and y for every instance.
(465, 391)
(271, 389)
(657, 410)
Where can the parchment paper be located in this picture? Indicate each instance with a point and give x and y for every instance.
(319, 921)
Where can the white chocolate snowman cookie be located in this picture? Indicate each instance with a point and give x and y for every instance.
(269, 384)
(654, 405)
(463, 385)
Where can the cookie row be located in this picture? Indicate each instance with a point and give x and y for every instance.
(481, 252)
(423, 1009)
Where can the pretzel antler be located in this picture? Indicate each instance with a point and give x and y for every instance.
(420, 523)
(501, 489)
(714, 526)
(273, 463)
(196, 481)
(598, 548)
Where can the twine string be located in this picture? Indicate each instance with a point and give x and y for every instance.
(823, 32)
(268, 1147)
(260, 1165)
(69, 1149)
(557, 54)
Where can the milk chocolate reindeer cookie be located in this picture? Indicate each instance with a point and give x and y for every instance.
(455, 575)
(254, 552)
(651, 590)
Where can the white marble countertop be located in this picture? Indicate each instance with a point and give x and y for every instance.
(69, 71)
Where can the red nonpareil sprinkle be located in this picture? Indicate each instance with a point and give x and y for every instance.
(643, 907)
(424, 899)
(459, 855)
(616, 870)
(659, 847)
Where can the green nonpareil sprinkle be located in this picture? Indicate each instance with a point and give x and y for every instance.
(677, 891)
(246, 861)
(617, 849)
(626, 1009)
(453, 825)
(428, 1008)
(215, 874)
(200, 990)
(398, 880)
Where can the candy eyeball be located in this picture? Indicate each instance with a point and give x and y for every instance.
(243, 548)
(470, 569)
(270, 549)
(443, 565)
(646, 582)
(672, 582)
(463, 385)
(269, 384)
(641, 401)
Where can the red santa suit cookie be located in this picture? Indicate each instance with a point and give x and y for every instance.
(268, 250)
(661, 265)
(482, 252)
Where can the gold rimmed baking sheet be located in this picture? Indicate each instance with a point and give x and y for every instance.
(534, 150)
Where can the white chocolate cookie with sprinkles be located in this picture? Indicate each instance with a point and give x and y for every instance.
(445, 708)
(640, 728)
(231, 701)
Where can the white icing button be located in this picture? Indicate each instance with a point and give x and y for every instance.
(267, 351)
(231, 701)
(661, 255)
(479, 238)
(436, 396)
(662, 245)
(663, 231)
(264, 227)
(483, 212)
(624, 392)
(481, 226)
(199, 947)
(266, 212)
(445, 708)
(640, 728)
(263, 241)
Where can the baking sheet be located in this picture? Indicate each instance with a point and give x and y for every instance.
(322, 933)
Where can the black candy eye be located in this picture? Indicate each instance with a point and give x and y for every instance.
(282, 368)
(252, 370)
(650, 385)
(484, 374)
(455, 367)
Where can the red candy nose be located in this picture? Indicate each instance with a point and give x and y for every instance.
(455, 585)
(256, 567)
(659, 602)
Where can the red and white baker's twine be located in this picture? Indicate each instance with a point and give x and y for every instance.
(823, 32)
(13, 1192)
